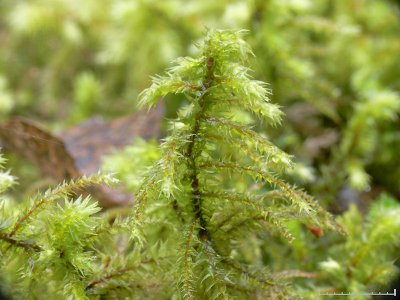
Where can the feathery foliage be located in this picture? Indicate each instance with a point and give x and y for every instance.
(325, 61)
(57, 245)
(213, 213)
(361, 263)
(207, 167)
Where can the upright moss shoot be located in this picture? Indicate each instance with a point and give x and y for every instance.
(204, 181)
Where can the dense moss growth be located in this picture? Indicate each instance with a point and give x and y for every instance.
(259, 147)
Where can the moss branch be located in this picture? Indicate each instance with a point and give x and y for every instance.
(299, 198)
(113, 275)
(108, 277)
(27, 245)
(61, 191)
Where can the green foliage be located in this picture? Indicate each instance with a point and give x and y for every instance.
(188, 214)
(364, 261)
(49, 237)
(120, 43)
(214, 214)
(361, 263)
(359, 141)
(333, 67)
(131, 164)
(60, 246)
(6, 103)
(6, 180)
(86, 92)
(330, 58)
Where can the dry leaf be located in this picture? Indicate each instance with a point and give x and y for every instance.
(78, 151)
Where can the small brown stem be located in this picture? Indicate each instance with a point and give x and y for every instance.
(112, 275)
(23, 218)
(29, 246)
(95, 282)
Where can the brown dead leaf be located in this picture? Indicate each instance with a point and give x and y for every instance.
(79, 150)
